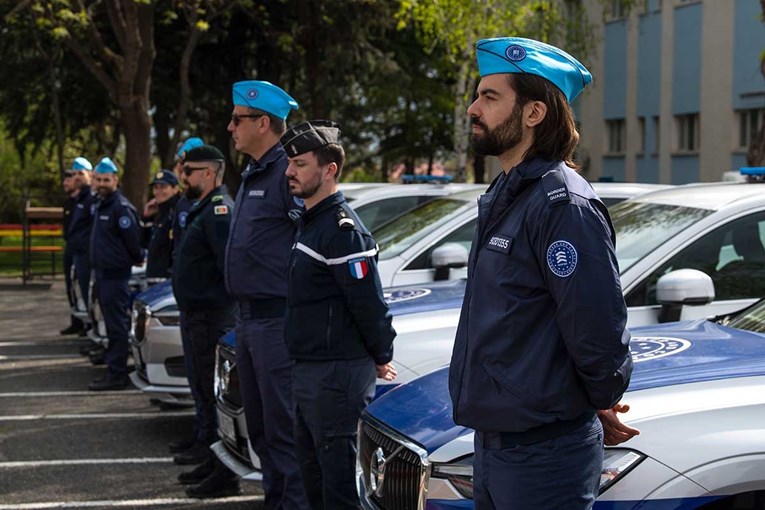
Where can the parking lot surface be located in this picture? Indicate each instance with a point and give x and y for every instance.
(62, 446)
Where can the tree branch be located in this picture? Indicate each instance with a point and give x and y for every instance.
(117, 21)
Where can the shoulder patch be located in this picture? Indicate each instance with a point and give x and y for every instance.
(221, 209)
(358, 267)
(344, 220)
(217, 198)
(124, 222)
(298, 201)
(562, 258)
(556, 191)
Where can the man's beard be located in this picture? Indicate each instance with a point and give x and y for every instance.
(493, 142)
(308, 190)
(193, 192)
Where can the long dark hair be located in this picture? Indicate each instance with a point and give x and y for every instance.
(556, 137)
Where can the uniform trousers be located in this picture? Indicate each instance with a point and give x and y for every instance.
(329, 399)
(189, 364)
(68, 264)
(561, 473)
(265, 382)
(202, 329)
(82, 274)
(114, 300)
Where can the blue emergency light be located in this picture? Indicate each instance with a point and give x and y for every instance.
(420, 179)
(753, 171)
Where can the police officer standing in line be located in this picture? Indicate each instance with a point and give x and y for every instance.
(541, 343)
(208, 310)
(262, 233)
(184, 204)
(338, 326)
(115, 246)
(158, 216)
(77, 222)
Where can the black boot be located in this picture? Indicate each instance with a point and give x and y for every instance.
(197, 454)
(221, 483)
(110, 382)
(182, 444)
(199, 473)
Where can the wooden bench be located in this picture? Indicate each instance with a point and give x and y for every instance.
(32, 249)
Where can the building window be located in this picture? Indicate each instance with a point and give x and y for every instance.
(616, 10)
(656, 133)
(749, 124)
(617, 136)
(641, 135)
(687, 129)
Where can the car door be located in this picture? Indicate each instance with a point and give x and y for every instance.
(733, 255)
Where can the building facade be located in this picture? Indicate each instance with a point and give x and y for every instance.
(677, 93)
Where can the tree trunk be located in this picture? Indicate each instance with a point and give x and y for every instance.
(461, 119)
(136, 125)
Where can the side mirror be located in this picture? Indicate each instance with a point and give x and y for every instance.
(448, 256)
(683, 287)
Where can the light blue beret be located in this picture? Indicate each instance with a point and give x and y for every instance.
(81, 163)
(106, 166)
(263, 96)
(526, 56)
(189, 144)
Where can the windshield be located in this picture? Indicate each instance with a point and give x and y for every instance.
(403, 231)
(641, 227)
(751, 319)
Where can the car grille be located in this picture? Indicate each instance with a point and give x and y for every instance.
(393, 471)
(227, 377)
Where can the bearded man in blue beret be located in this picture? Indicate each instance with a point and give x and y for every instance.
(541, 347)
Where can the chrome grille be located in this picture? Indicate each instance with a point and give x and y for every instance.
(393, 471)
(227, 377)
(140, 321)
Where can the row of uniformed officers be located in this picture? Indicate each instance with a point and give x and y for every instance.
(288, 264)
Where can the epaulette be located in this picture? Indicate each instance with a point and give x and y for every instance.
(556, 191)
(344, 220)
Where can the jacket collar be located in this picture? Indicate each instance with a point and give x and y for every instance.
(201, 203)
(330, 202)
(259, 165)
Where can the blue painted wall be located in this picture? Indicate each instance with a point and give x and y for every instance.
(737, 161)
(685, 169)
(647, 169)
(649, 65)
(615, 70)
(613, 167)
(686, 71)
(748, 42)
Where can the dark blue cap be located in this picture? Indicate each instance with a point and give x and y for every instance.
(164, 177)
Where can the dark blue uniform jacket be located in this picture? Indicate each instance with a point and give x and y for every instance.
(262, 232)
(198, 267)
(182, 208)
(158, 240)
(80, 222)
(335, 306)
(115, 243)
(541, 335)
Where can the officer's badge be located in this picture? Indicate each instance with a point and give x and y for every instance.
(221, 209)
(182, 219)
(124, 222)
(159, 175)
(562, 258)
(359, 267)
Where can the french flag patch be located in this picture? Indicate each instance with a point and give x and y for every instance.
(359, 268)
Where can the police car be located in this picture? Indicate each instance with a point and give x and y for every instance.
(697, 395)
(425, 318)
(155, 339)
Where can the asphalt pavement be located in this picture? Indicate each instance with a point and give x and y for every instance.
(62, 446)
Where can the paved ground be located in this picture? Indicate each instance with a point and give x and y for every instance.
(64, 447)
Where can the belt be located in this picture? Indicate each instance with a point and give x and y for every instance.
(499, 440)
(262, 308)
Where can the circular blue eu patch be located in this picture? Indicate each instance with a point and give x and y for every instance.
(124, 222)
(397, 296)
(252, 93)
(515, 53)
(299, 201)
(646, 348)
(182, 219)
(561, 258)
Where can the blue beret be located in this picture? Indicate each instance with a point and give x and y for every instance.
(526, 56)
(189, 144)
(81, 163)
(263, 96)
(165, 177)
(106, 166)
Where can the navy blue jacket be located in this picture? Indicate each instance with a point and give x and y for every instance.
(80, 222)
(198, 267)
(182, 208)
(335, 305)
(158, 239)
(115, 242)
(262, 231)
(541, 335)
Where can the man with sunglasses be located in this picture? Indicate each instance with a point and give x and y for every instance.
(262, 233)
(77, 223)
(208, 311)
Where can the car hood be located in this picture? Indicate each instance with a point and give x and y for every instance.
(156, 294)
(664, 355)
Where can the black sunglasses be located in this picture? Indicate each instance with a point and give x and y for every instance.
(188, 170)
(236, 118)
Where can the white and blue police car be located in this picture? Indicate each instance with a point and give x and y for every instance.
(697, 395)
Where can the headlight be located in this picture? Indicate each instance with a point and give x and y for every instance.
(616, 463)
